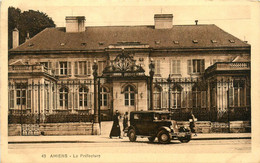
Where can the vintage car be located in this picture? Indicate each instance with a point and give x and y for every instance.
(156, 124)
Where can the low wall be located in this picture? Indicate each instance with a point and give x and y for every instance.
(14, 129)
(52, 129)
(66, 128)
(219, 127)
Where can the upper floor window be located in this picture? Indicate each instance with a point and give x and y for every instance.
(196, 66)
(175, 67)
(129, 96)
(63, 68)
(82, 68)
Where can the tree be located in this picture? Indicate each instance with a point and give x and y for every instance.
(31, 22)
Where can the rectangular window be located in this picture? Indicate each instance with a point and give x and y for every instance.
(63, 68)
(196, 66)
(82, 68)
(175, 67)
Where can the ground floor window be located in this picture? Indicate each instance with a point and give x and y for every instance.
(157, 98)
(129, 96)
(64, 98)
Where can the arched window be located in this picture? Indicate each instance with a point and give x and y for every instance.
(157, 98)
(64, 98)
(129, 96)
(103, 96)
(83, 98)
(176, 96)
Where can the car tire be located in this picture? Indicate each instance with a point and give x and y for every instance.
(164, 137)
(185, 139)
(151, 139)
(132, 135)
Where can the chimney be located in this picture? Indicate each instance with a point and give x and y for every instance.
(163, 21)
(196, 22)
(27, 37)
(15, 38)
(75, 23)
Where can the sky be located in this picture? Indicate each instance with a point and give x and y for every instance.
(231, 17)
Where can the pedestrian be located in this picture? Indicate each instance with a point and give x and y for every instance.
(115, 131)
(192, 120)
(125, 122)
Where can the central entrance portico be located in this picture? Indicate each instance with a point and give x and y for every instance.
(127, 85)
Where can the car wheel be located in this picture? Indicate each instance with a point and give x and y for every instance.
(164, 137)
(132, 135)
(185, 139)
(151, 139)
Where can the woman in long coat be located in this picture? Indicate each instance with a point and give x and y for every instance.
(115, 131)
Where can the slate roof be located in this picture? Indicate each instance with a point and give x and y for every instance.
(179, 36)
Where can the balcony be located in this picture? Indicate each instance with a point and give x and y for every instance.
(228, 66)
(29, 69)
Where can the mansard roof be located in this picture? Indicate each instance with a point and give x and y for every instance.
(99, 38)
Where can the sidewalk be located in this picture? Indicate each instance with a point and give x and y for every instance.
(104, 137)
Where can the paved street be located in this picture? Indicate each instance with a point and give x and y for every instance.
(143, 146)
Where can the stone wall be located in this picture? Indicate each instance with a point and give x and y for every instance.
(54, 129)
(219, 127)
(14, 129)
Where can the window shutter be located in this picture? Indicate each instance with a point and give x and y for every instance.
(85, 67)
(69, 68)
(29, 99)
(88, 100)
(178, 67)
(12, 99)
(76, 100)
(158, 67)
(202, 65)
(70, 99)
(89, 68)
(189, 66)
(50, 65)
(171, 72)
(76, 68)
(57, 68)
(164, 99)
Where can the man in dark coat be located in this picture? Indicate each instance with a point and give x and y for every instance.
(125, 121)
(192, 123)
(115, 131)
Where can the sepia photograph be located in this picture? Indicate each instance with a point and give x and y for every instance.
(121, 81)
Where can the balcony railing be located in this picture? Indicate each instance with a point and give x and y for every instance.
(29, 69)
(227, 66)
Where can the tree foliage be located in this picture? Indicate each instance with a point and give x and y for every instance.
(31, 22)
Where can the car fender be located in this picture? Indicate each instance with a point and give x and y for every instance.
(129, 128)
(164, 128)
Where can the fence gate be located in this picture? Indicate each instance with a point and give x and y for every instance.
(30, 129)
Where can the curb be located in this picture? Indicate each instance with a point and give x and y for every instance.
(76, 141)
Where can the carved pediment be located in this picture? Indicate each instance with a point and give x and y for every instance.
(124, 64)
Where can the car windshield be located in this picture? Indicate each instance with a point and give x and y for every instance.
(162, 116)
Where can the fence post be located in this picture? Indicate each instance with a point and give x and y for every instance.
(228, 108)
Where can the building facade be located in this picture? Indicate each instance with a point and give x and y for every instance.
(180, 68)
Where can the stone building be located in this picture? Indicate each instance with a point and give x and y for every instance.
(197, 67)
